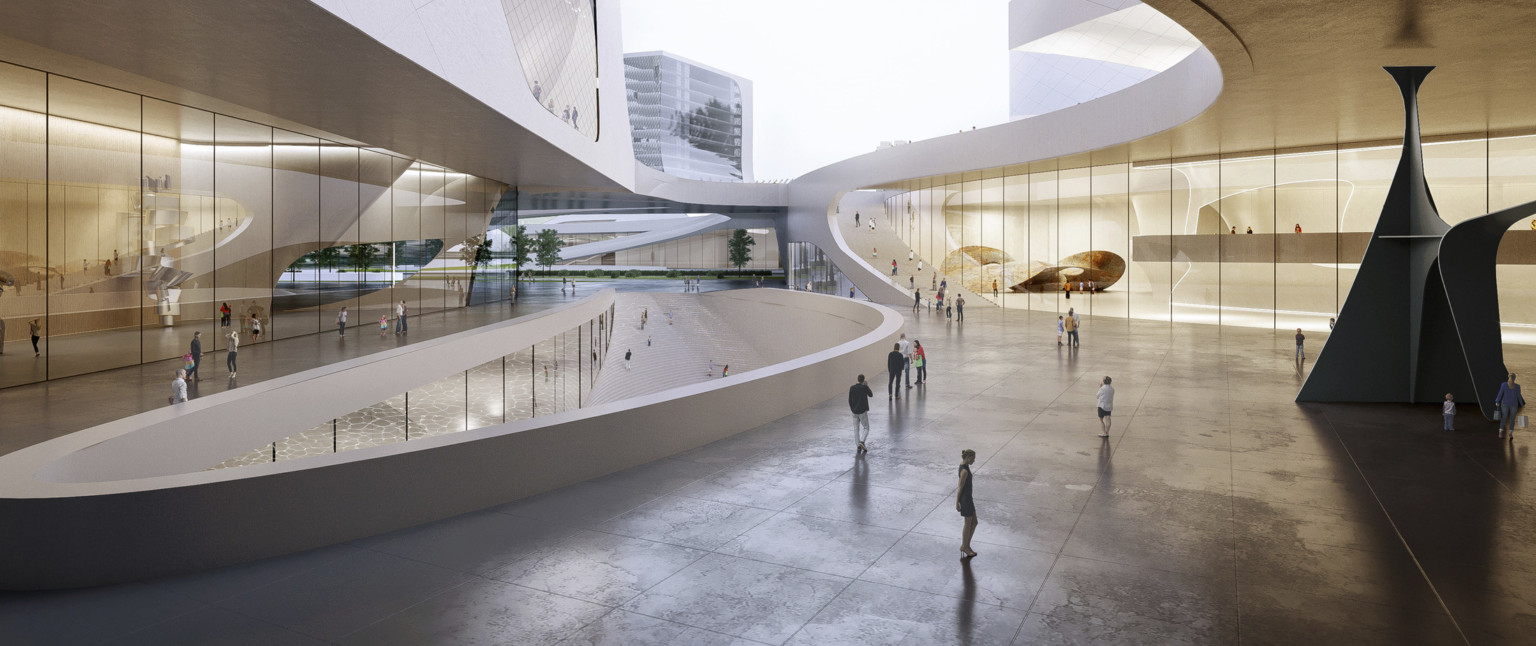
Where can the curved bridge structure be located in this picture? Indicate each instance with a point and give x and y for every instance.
(132, 499)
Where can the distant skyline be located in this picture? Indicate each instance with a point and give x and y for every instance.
(831, 80)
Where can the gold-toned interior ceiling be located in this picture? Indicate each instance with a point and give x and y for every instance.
(1301, 73)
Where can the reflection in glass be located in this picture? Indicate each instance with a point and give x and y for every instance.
(556, 42)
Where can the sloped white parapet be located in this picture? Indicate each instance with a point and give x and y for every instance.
(129, 500)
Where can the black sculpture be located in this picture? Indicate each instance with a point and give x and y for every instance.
(1422, 318)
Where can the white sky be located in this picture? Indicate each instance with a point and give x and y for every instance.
(831, 79)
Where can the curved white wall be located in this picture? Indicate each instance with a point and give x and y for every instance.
(124, 501)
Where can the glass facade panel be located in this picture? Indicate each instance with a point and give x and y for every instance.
(1074, 231)
(1306, 266)
(128, 223)
(296, 237)
(1149, 277)
(1247, 259)
(339, 193)
(556, 43)
(1197, 228)
(24, 275)
(1044, 294)
(94, 175)
(1109, 287)
(1512, 181)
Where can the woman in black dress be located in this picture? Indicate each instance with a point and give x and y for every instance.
(963, 503)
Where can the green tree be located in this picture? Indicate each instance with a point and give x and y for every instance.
(546, 248)
(739, 248)
(328, 258)
(522, 248)
(363, 256)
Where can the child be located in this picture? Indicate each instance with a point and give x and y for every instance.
(383, 324)
(1449, 409)
(711, 367)
(1061, 328)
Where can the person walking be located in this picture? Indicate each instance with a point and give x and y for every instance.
(1448, 410)
(893, 365)
(858, 403)
(965, 505)
(230, 359)
(850, 291)
(994, 288)
(255, 329)
(917, 299)
(341, 321)
(1066, 288)
(960, 308)
(893, 266)
(910, 255)
(912, 282)
(1106, 397)
(1061, 328)
(726, 371)
(855, 218)
(179, 387)
(627, 355)
(1508, 402)
(35, 328)
(906, 355)
(224, 312)
(919, 265)
(1301, 339)
(920, 361)
(935, 286)
(197, 355)
(1069, 324)
(400, 313)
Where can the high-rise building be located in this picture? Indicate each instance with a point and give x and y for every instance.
(687, 119)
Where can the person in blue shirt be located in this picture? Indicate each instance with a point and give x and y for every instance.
(1508, 402)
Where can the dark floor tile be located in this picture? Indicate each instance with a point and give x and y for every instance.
(751, 488)
(1087, 601)
(601, 568)
(623, 628)
(88, 615)
(998, 575)
(212, 626)
(1271, 616)
(347, 594)
(872, 614)
(869, 505)
(475, 543)
(700, 524)
(1034, 528)
(817, 544)
(583, 503)
(211, 586)
(739, 597)
(484, 613)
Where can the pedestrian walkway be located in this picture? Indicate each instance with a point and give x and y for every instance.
(1218, 512)
(679, 354)
(863, 241)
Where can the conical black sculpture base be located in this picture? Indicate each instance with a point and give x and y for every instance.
(1422, 317)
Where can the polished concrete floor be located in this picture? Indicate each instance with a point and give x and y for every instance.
(1218, 512)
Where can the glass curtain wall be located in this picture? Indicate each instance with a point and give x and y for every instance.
(128, 224)
(1268, 239)
(547, 378)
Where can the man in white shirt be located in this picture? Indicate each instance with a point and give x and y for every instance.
(905, 348)
(1106, 398)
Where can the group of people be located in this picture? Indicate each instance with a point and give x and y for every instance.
(193, 359)
(899, 362)
(1068, 326)
(904, 357)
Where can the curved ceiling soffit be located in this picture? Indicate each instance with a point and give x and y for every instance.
(1213, 31)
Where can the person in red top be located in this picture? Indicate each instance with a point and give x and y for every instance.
(1298, 227)
(919, 361)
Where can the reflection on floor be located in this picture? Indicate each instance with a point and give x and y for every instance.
(1218, 512)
